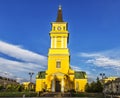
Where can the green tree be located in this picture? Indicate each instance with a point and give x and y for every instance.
(19, 88)
(1, 87)
(99, 86)
(94, 86)
(87, 87)
(9, 88)
(14, 87)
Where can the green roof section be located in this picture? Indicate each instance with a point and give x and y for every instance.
(41, 75)
(80, 75)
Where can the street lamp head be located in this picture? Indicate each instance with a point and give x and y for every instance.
(100, 74)
(31, 73)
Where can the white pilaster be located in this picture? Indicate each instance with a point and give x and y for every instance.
(62, 85)
(65, 42)
(62, 42)
(55, 42)
(51, 42)
(53, 85)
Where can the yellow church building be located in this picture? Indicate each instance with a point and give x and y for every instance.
(59, 76)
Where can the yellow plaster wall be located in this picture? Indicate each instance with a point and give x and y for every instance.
(40, 84)
(53, 51)
(64, 59)
(105, 80)
(80, 84)
(28, 85)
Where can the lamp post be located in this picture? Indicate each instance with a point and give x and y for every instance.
(31, 74)
(103, 81)
(30, 86)
(102, 75)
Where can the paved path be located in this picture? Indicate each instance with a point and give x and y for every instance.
(47, 97)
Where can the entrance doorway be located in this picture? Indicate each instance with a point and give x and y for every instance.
(57, 86)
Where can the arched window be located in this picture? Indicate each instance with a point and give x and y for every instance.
(64, 28)
(54, 28)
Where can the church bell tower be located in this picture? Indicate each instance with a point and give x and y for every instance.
(58, 56)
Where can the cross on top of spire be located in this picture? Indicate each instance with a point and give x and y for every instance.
(60, 7)
(59, 16)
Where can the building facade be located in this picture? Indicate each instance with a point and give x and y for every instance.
(107, 79)
(28, 86)
(112, 86)
(59, 77)
(4, 81)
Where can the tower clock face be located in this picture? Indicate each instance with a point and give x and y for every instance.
(58, 28)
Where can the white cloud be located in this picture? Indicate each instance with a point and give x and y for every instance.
(76, 68)
(27, 61)
(15, 70)
(6, 74)
(20, 80)
(107, 61)
(22, 54)
(90, 55)
(15, 66)
(104, 59)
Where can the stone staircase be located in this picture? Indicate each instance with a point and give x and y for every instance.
(55, 94)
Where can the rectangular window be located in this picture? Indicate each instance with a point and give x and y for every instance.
(58, 64)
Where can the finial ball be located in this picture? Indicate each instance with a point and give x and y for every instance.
(60, 7)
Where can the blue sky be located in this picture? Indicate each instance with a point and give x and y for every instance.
(94, 43)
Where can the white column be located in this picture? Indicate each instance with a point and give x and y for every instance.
(62, 85)
(51, 42)
(55, 42)
(62, 46)
(65, 42)
(53, 85)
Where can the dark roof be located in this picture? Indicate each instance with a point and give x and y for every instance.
(8, 79)
(41, 75)
(59, 16)
(80, 75)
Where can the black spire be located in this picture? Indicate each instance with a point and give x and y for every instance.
(59, 17)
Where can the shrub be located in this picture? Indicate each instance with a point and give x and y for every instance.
(18, 94)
